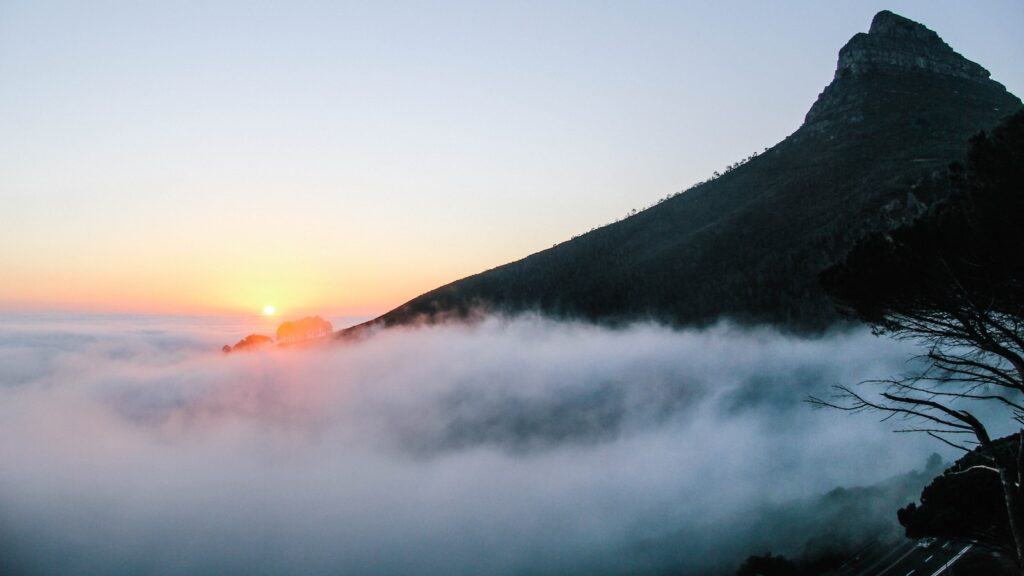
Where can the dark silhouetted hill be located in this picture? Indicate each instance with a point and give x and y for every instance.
(288, 333)
(749, 244)
(250, 342)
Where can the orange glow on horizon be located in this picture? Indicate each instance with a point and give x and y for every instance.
(295, 279)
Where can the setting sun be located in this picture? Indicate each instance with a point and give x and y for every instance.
(269, 310)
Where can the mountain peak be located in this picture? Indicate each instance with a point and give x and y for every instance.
(895, 44)
(894, 58)
(886, 23)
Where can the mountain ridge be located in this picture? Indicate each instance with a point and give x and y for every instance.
(748, 245)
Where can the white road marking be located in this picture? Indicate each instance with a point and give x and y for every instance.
(909, 573)
(946, 544)
(952, 560)
(870, 570)
(898, 560)
(929, 558)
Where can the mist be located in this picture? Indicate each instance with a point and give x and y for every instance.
(509, 446)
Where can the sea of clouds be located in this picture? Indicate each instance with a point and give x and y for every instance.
(510, 446)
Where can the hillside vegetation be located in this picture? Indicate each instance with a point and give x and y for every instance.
(749, 244)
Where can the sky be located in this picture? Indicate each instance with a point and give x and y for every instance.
(217, 157)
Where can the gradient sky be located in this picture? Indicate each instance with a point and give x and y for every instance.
(342, 158)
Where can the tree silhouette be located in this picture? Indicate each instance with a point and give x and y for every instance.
(953, 281)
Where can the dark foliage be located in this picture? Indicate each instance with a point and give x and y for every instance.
(965, 502)
(968, 249)
(953, 281)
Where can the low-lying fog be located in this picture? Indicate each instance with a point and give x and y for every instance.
(509, 447)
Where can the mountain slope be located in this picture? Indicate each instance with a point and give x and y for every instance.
(749, 244)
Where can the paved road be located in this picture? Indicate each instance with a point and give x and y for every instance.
(908, 558)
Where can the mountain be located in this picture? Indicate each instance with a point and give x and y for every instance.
(748, 245)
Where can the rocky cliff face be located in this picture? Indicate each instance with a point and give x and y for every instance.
(897, 45)
(893, 47)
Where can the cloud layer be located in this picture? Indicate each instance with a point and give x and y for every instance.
(513, 446)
